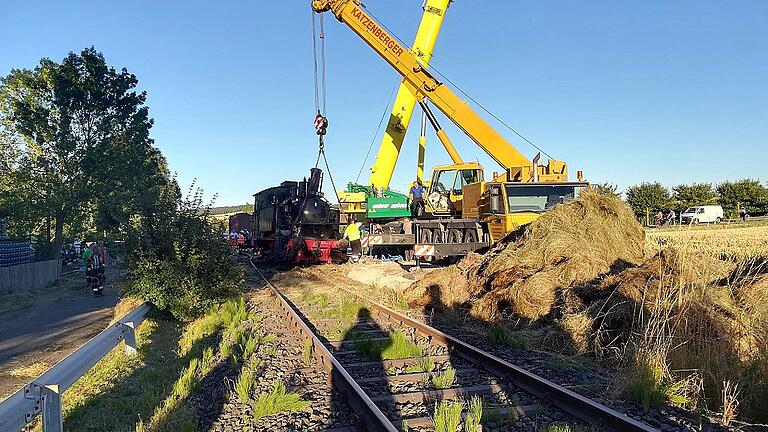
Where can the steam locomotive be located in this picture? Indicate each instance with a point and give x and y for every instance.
(296, 223)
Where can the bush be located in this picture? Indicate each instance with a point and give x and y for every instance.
(179, 261)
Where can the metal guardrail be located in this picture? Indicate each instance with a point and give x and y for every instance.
(43, 395)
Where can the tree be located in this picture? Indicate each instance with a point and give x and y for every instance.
(695, 194)
(82, 134)
(607, 189)
(648, 198)
(747, 194)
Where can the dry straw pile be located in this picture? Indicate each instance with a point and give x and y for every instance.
(577, 281)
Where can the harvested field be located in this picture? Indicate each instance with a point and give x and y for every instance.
(740, 241)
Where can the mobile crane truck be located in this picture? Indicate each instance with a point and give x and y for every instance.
(464, 212)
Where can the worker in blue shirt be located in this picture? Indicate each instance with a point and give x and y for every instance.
(416, 196)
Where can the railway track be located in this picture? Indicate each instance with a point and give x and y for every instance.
(393, 370)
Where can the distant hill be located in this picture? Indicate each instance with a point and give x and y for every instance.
(225, 210)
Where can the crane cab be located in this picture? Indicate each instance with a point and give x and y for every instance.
(445, 191)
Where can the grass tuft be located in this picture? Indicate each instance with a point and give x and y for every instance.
(396, 347)
(244, 385)
(475, 415)
(498, 335)
(445, 379)
(306, 355)
(447, 416)
(278, 400)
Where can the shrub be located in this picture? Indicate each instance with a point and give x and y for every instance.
(179, 261)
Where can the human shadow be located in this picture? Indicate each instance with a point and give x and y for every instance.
(364, 350)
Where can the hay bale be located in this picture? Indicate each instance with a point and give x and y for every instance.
(579, 327)
(571, 245)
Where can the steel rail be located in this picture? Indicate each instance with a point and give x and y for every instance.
(573, 403)
(43, 395)
(374, 419)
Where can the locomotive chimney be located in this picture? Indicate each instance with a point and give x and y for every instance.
(315, 185)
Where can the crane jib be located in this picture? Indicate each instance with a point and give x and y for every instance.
(378, 32)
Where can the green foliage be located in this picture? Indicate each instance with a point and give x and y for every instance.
(244, 385)
(278, 400)
(747, 194)
(306, 355)
(696, 194)
(75, 147)
(607, 189)
(397, 346)
(645, 387)
(499, 335)
(475, 414)
(447, 416)
(493, 416)
(187, 269)
(249, 348)
(321, 300)
(426, 364)
(444, 379)
(648, 197)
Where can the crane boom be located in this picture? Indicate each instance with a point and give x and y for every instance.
(400, 118)
(424, 85)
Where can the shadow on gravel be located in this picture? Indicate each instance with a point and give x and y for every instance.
(366, 343)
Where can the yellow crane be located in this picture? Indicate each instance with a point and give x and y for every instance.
(375, 199)
(463, 211)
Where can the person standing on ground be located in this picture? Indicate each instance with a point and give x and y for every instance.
(352, 233)
(416, 196)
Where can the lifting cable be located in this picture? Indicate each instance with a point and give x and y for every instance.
(445, 78)
(387, 109)
(321, 99)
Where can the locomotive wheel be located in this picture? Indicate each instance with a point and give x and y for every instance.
(471, 236)
(426, 236)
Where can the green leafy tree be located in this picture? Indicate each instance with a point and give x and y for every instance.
(181, 262)
(608, 189)
(685, 196)
(648, 198)
(83, 152)
(747, 194)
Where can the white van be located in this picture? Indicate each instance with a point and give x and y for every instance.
(702, 214)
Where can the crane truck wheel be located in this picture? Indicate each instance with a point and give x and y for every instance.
(455, 236)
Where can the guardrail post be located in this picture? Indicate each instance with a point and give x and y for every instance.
(53, 420)
(129, 333)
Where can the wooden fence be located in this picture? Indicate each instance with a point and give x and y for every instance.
(26, 277)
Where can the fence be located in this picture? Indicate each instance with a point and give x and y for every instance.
(26, 277)
(43, 395)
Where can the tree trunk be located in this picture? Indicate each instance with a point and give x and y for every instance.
(58, 237)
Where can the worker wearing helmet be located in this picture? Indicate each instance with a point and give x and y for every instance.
(352, 233)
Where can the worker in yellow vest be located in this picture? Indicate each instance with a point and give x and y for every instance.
(352, 233)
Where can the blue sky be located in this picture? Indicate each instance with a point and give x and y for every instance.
(625, 91)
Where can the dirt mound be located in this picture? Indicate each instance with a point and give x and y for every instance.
(445, 289)
(570, 245)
